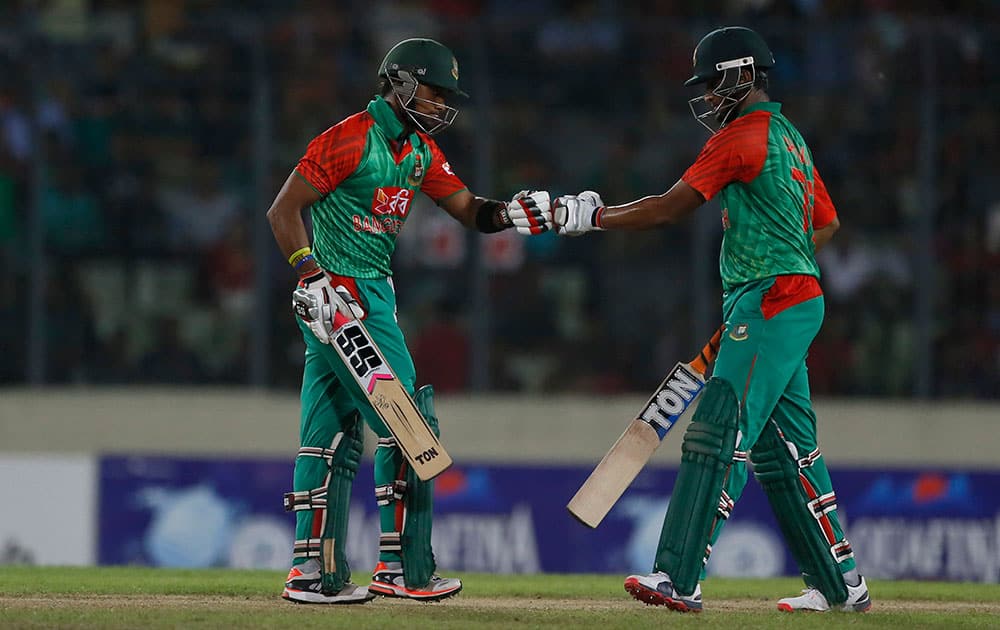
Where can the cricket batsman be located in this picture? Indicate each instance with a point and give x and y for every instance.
(359, 179)
(775, 213)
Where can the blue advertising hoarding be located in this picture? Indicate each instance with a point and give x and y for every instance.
(166, 511)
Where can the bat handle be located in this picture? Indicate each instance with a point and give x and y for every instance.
(338, 319)
(709, 352)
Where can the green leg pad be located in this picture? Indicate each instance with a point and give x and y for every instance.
(343, 468)
(417, 555)
(707, 453)
(778, 474)
(424, 399)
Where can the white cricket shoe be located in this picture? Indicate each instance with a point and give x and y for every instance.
(657, 589)
(304, 583)
(812, 600)
(387, 580)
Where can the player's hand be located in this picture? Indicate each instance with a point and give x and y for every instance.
(316, 301)
(575, 214)
(530, 212)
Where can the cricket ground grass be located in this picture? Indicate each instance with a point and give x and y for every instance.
(133, 597)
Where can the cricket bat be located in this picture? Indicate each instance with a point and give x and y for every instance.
(387, 395)
(629, 455)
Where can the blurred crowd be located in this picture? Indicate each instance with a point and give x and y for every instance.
(132, 133)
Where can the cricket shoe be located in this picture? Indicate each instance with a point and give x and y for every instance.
(657, 589)
(304, 586)
(387, 580)
(812, 600)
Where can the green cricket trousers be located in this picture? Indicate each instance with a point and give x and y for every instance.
(770, 324)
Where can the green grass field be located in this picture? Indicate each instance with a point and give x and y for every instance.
(126, 597)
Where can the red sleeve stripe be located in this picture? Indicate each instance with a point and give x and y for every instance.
(439, 183)
(824, 211)
(737, 153)
(333, 155)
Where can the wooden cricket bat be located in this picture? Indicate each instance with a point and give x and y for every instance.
(387, 395)
(629, 455)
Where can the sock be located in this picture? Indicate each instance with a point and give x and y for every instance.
(852, 578)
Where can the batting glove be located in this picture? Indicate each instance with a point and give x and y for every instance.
(530, 212)
(317, 301)
(575, 214)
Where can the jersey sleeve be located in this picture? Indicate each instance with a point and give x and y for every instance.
(735, 154)
(823, 210)
(440, 181)
(333, 155)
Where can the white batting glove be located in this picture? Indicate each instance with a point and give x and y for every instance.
(316, 301)
(530, 212)
(575, 214)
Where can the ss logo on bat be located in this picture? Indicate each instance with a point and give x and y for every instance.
(361, 356)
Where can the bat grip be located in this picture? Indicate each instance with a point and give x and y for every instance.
(709, 352)
(338, 319)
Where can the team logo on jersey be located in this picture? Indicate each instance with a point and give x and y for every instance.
(740, 332)
(391, 201)
(417, 176)
(446, 167)
(725, 218)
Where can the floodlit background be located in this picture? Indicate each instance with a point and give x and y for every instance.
(149, 355)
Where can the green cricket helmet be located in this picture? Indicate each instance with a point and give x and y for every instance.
(419, 60)
(719, 60)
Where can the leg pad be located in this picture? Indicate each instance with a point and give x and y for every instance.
(343, 468)
(800, 516)
(417, 555)
(707, 453)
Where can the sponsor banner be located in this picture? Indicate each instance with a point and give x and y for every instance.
(512, 519)
(48, 509)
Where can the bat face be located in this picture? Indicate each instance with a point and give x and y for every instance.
(629, 455)
(389, 399)
(615, 472)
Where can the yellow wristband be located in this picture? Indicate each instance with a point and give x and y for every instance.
(299, 253)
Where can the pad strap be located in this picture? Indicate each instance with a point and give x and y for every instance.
(726, 505)
(308, 548)
(387, 493)
(314, 499)
(389, 542)
(842, 551)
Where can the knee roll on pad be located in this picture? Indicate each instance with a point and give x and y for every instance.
(706, 454)
(416, 554)
(778, 474)
(347, 458)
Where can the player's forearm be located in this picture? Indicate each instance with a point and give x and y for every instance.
(823, 235)
(636, 215)
(673, 206)
(285, 217)
(290, 233)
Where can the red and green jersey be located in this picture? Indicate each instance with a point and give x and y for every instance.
(772, 196)
(368, 172)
